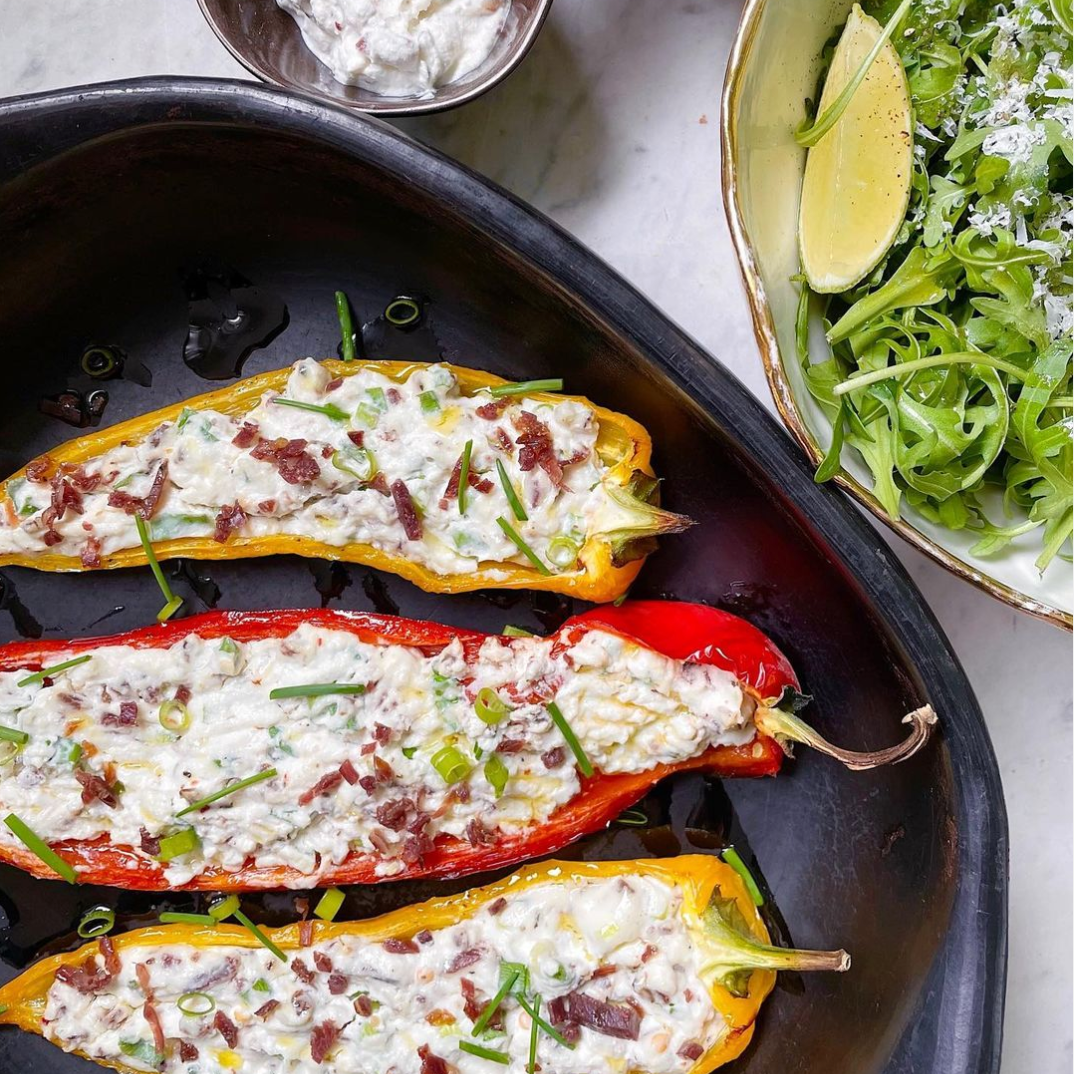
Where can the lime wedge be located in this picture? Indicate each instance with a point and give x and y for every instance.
(857, 177)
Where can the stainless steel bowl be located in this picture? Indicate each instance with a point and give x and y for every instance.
(268, 43)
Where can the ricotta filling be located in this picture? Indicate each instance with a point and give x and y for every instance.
(355, 772)
(382, 467)
(351, 1005)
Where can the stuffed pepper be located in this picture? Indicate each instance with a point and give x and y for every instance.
(654, 967)
(450, 477)
(288, 749)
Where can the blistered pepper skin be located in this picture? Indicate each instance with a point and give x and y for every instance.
(598, 578)
(23, 1000)
(673, 628)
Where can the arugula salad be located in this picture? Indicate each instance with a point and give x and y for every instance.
(950, 371)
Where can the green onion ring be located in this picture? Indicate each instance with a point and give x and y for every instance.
(191, 1003)
(174, 716)
(96, 922)
(402, 311)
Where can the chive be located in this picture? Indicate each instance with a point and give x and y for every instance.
(484, 1053)
(171, 917)
(521, 387)
(511, 534)
(96, 922)
(316, 689)
(231, 788)
(450, 763)
(259, 935)
(409, 751)
(632, 818)
(174, 603)
(511, 631)
(509, 491)
(731, 856)
(329, 905)
(572, 740)
(261, 985)
(13, 734)
(402, 311)
(36, 845)
(196, 1003)
(346, 326)
(464, 475)
(47, 673)
(429, 403)
(359, 462)
(329, 410)
(178, 843)
(531, 1066)
(489, 706)
(487, 1014)
(621, 599)
(550, 1030)
(174, 716)
(224, 908)
(496, 773)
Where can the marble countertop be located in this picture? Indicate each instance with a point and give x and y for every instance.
(611, 127)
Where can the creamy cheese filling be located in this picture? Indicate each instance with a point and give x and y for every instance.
(343, 477)
(352, 1006)
(98, 724)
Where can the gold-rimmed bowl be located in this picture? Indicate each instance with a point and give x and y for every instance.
(773, 68)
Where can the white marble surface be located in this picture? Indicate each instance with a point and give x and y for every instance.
(610, 126)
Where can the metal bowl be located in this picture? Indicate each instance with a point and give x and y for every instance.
(772, 70)
(268, 43)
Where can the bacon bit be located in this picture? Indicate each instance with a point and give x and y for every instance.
(332, 385)
(363, 1005)
(146, 505)
(380, 484)
(322, 962)
(302, 907)
(579, 456)
(231, 518)
(382, 733)
(478, 835)
(51, 537)
(246, 435)
(79, 478)
(368, 784)
(419, 823)
(266, 1009)
(149, 1013)
(64, 496)
(327, 451)
(473, 479)
(305, 934)
(150, 844)
(415, 848)
(474, 1003)
(382, 770)
(321, 1040)
(224, 972)
(491, 410)
(393, 396)
(395, 946)
(557, 1010)
(347, 771)
(404, 508)
(602, 971)
(610, 1019)
(464, 959)
(356, 437)
(301, 1002)
(432, 1064)
(95, 789)
(141, 971)
(440, 1017)
(126, 717)
(337, 984)
(87, 978)
(537, 449)
(188, 1052)
(554, 757)
(480, 483)
(424, 937)
(504, 440)
(498, 906)
(302, 971)
(325, 784)
(291, 459)
(38, 470)
(91, 553)
(648, 953)
(393, 815)
(511, 745)
(226, 1028)
(266, 507)
(691, 1051)
(368, 748)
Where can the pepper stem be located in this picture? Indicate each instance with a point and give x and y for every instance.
(636, 520)
(786, 727)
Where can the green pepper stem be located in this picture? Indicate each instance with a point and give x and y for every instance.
(786, 727)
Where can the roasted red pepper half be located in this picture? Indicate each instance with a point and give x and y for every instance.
(761, 681)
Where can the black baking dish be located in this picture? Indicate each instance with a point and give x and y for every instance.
(124, 206)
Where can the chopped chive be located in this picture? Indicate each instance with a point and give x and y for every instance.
(496, 773)
(429, 403)
(619, 600)
(171, 917)
(47, 673)
(487, 1014)
(450, 763)
(261, 985)
(464, 475)
(329, 904)
(521, 387)
(346, 327)
(489, 706)
(531, 1066)
(224, 908)
(484, 1053)
(512, 535)
(409, 751)
(13, 734)
(36, 845)
(178, 843)
(329, 410)
(231, 788)
(196, 1003)
(732, 857)
(174, 603)
(560, 721)
(402, 311)
(509, 491)
(511, 631)
(96, 922)
(545, 1027)
(316, 689)
(261, 938)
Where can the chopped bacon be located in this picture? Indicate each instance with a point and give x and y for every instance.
(266, 1008)
(537, 448)
(182, 693)
(188, 1052)
(419, 822)
(393, 814)
(363, 1005)
(150, 844)
(108, 953)
(511, 745)
(648, 953)
(503, 438)
(610, 1019)
(87, 978)
(95, 789)
(246, 436)
(382, 733)
(91, 553)
(464, 959)
(368, 784)
(356, 437)
(395, 946)
(325, 784)
(474, 1003)
(394, 396)
(430, 1063)
(424, 937)
(38, 470)
(226, 971)
(51, 537)
(64, 496)
(301, 1002)
(291, 459)
(322, 962)
(141, 971)
(337, 984)
(146, 505)
(149, 1013)
(321, 1040)
(498, 906)
(305, 933)
(554, 757)
(404, 508)
(126, 717)
(266, 507)
(368, 748)
(415, 848)
(579, 456)
(480, 483)
(473, 479)
(230, 518)
(226, 1028)
(691, 1051)
(478, 835)
(302, 971)
(492, 410)
(347, 771)
(382, 770)
(557, 1010)
(332, 385)
(602, 971)
(327, 451)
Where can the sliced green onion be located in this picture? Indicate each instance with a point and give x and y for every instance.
(174, 716)
(357, 461)
(531, 1066)
(545, 1027)
(143, 1051)
(261, 985)
(519, 976)
(316, 689)
(174, 603)
(496, 773)
(632, 818)
(230, 646)
(522, 387)
(511, 631)
(13, 734)
(409, 751)
(196, 1003)
(367, 415)
(489, 706)
(450, 763)
(96, 922)
(487, 1014)
(484, 1053)
(572, 739)
(36, 845)
(378, 398)
(231, 788)
(259, 935)
(509, 491)
(10, 750)
(178, 843)
(224, 908)
(74, 752)
(402, 311)
(563, 552)
(429, 403)
(48, 673)
(329, 410)
(731, 856)
(512, 535)
(172, 917)
(329, 904)
(346, 326)
(464, 475)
